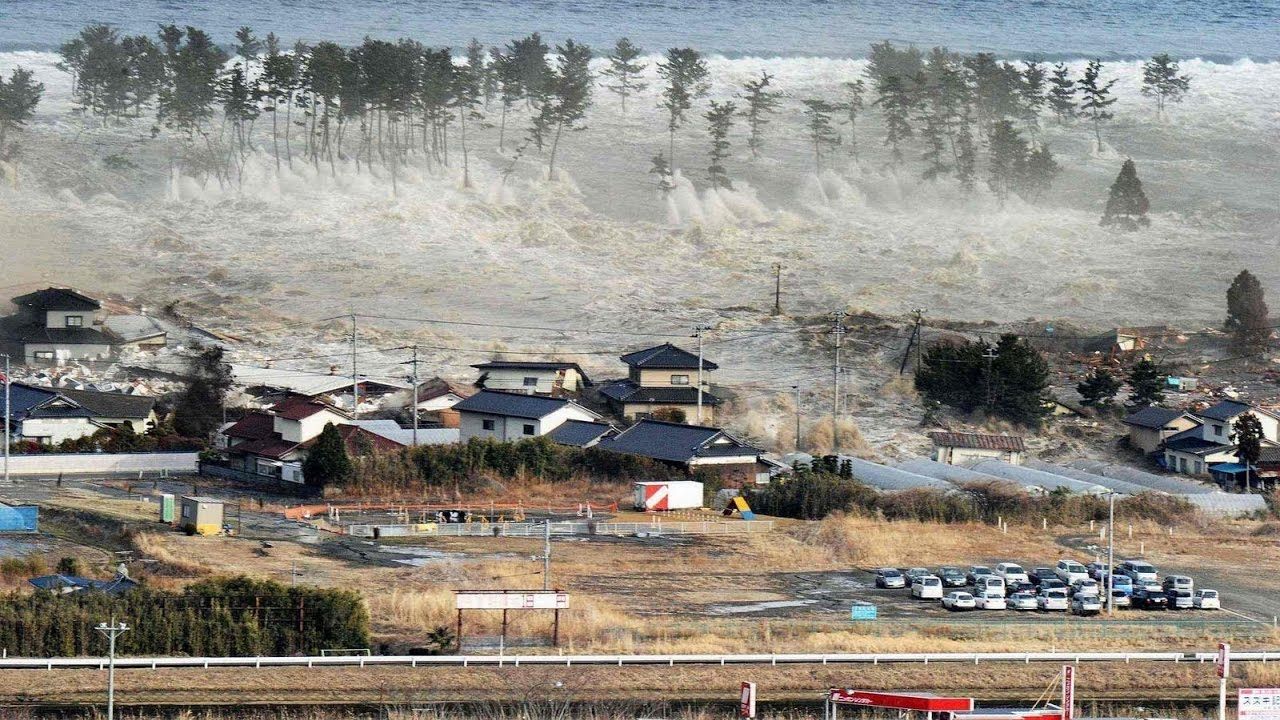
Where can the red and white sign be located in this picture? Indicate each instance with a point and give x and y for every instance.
(513, 600)
(1068, 692)
(747, 701)
(1258, 704)
(901, 701)
(1224, 660)
(668, 495)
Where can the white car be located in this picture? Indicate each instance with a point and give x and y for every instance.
(1206, 599)
(927, 587)
(1140, 571)
(1120, 599)
(990, 584)
(959, 600)
(1085, 605)
(1085, 587)
(1012, 573)
(1023, 601)
(1069, 571)
(992, 601)
(1053, 600)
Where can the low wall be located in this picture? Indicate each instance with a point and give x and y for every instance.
(103, 463)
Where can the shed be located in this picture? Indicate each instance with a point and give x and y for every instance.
(202, 515)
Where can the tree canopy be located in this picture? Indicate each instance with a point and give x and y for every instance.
(1009, 379)
(1247, 312)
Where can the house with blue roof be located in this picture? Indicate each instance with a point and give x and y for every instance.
(695, 448)
(511, 416)
(662, 381)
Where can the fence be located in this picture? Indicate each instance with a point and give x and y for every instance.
(657, 529)
(102, 463)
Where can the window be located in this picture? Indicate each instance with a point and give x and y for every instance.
(487, 424)
(44, 355)
(1217, 430)
(528, 429)
(531, 382)
(75, 320)
(679, 379)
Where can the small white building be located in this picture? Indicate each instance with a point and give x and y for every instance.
(552, 378)
(511, 416)
(958, 448)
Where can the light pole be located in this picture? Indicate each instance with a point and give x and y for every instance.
(1111, 554)
(111, 631)
(7, 438)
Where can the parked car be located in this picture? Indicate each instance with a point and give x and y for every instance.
(1020, 587)
(1140, 571)
(1206, 599)
(1068, 571)
(991, 601)
(1052, 583)
(1120, 599)
(958, 600)
(1023, 601)
(927, 587)
(890, 578)
(914, 574)
(990, 584)
(1041, 574)
(1085, 605)
(1178, 582)
(953, 577)
(1097, 570)
(977, 571)
(1052, 600)
(1180, 599)
(1011, 572)
(1146, 599)
(1085, 587)
(1119, 582)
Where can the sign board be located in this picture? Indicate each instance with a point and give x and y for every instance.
(1068, 692)
(511, 600)
(1258, 704)
(1224, 660)
(863, 611)
(900, 701)
(747, 701)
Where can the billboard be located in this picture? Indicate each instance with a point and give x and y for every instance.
(1258, 704)
(511, 600)
(747, 701)
(1068, 692)
(1223, 661)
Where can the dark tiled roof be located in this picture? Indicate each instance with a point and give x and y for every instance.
(112, 405)
(1229, 409)
(978, 441)
(356, 438)
(22, 398)
(57, 299)
(1191, 441)
(254, 426)
(300, 408)
(492, 402)
(1153, 416)
(675, 442)
(59, 583)
(59, 411)
(666, 356)
(579, 433)
(60, 335)
(270, 447)
(1269, 454)
(629, 392)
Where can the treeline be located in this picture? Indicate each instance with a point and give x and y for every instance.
(813, 494)
(220, 617)
(472, 465)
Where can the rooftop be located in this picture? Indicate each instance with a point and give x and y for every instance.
(666, 356)
(57, 299)
(1153, 416)
(493, 402)
(579, 433)
(1228, 410)
(978, 441)
(676, 442)
(300, 408)
(629, 392)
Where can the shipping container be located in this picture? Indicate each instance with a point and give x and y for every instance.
(669, 495)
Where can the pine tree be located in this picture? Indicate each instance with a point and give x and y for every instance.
(19, 96)
(510, 91)
(821, 129)
(1039, 172)
(685, 71)
(327, 461)
(468, 89)
(1006, 159)
(660, 167)
(1160, 80)
(1099, 388)
(853, 105)
(1146, 384)
(1062, 94)
(569, 94)
(480, 71)
(99, 66)
(719, 123)
(279, 77)
(1247, 312)
(1015, 388)
(1095, 97)
(624, 70)
(1033, 91)
(145, 62)
(1127, 205)
(529, 54)
(966, 151)
(760, 103)
(1248, 439)
(186, 100)
(895, 101)
(198, 409)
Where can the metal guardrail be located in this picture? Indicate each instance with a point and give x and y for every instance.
(572, 527)
(621, 660)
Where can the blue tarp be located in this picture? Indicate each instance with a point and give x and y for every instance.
(19, 519)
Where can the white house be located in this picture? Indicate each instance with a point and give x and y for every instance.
(512, 416)
(957, 448)
(1213, 441)
(1218, 421)
(51, 415)
(552, 378)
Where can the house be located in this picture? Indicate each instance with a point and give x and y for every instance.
(514, 416)
(391, 430)
(1189, 453)
(696, 448)
(200, 515)
(1152, 425)
(49, 416)
(662, 382)
(555, 379)
(1130, 339)
(142, 332)
(580, 433)
(436, 398)
(1212, 441)
(269, 386)
(959, 448)
(1219, 420)
(54, 325)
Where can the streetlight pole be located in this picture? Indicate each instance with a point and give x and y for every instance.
(1111, 554)
(7, 410)
(111, 631)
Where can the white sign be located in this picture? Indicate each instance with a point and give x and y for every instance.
(747, 701)
(1068, 692)
(533, 600)
(1258, 704)
(1224, 660)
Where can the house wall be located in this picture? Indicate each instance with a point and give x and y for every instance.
(1149, 439)
(741, 471)
(510, 428)
(435, 404)
(1188, 464)
(55, 430)
(636, 411)
(66, 352)
(303, 430)
(968, 456)
(58, 318)
(549, 381)
(662, 378)
(140, 425)
(203, 517)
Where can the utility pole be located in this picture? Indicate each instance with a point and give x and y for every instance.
(414, 380)
(355, 379)
(777, 288)
(111, 631)
(7, 410)
(797, 389)
(990, 355)
(546, 556)
(919, 314)
(1111, 553)
(837, 333)
(697, 331)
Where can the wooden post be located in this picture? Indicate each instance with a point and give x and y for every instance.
(459, 633)
(555, 630)
(504, 627)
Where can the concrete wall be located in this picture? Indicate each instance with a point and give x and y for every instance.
(104, 464)
(57, 429)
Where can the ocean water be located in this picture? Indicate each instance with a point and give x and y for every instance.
(1220, 30)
